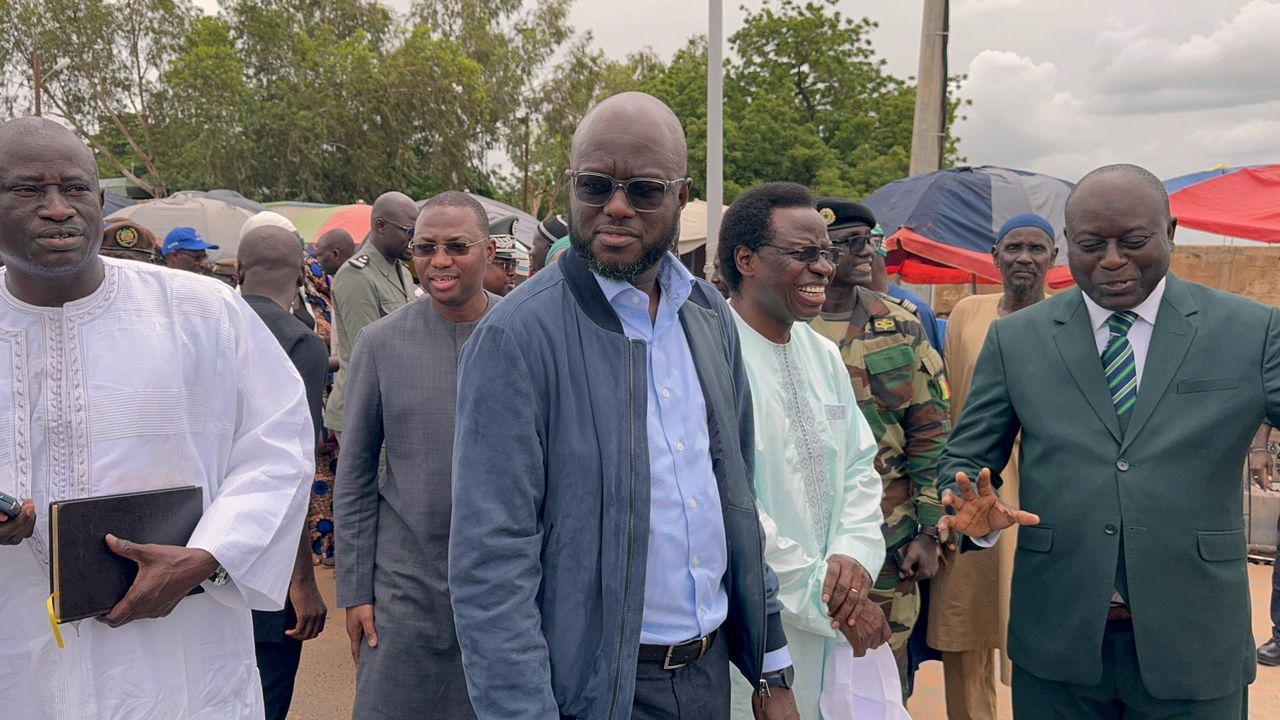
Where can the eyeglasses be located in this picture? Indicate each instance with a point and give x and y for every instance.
(644, 194)
(403, 228)
(855, 243)
(428, 249)
(810, 253)
(507, 264)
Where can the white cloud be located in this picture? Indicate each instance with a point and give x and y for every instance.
(1235, 65)
(1251, 141)
(1021, 119)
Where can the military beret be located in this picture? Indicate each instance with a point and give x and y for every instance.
(839, 213)
(129, 235)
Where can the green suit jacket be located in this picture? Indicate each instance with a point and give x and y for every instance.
(1170, 486)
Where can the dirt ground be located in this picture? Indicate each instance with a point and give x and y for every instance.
(326, 681)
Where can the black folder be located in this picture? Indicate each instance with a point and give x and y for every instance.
(85, 577)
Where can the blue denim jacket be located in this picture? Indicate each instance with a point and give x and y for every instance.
(551, 499)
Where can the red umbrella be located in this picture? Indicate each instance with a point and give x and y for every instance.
(1239, 202)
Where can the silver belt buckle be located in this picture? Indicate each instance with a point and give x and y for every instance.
(703, 643)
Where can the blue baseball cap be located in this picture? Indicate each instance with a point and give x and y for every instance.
(185, 238)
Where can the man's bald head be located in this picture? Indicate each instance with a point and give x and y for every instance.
(1127, 174)
(636, 115)
(392, 219)
(393, 202)
(269, 261)
(27, 131)
(334, 248)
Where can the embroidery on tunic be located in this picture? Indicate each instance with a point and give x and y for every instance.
(804, 433)
(21, 410)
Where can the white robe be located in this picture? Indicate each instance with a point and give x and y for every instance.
(818, 495)
(158, 379)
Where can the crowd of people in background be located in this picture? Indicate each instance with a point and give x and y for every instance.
(575, 480)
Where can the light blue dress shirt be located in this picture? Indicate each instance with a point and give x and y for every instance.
(684, 594)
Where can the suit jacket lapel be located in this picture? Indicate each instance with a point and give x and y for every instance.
(1079, 350)
(1170, 339)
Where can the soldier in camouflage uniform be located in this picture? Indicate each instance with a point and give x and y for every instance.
(902, 391)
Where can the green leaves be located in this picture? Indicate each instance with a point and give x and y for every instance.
(341, 100)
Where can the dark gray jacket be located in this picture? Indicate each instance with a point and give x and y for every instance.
(548, 545)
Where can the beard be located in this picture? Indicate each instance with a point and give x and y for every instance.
(651, 256)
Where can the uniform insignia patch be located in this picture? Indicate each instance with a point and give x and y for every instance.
(359, 261)
(126, 237)
(884, 325)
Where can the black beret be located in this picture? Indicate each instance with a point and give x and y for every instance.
(840, 214)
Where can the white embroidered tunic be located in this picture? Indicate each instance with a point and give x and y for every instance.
(158, 379)
(817, 489)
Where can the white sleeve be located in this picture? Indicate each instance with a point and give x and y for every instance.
(258, 506)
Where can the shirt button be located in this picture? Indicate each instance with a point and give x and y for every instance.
(680, 446)
(666, 393)
(697, 561)
(635, 301)
(693, 503)
(1109, 529)
(1122, 464)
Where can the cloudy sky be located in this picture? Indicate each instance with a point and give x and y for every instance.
(1058, 86)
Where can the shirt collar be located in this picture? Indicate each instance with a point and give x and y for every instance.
(1146, 310)
(673, 277)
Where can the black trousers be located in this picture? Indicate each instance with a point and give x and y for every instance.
(695, 692)
(1275, 595)
(1120, 696)
(278, 658)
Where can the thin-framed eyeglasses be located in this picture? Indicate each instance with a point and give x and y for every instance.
(644, 194)
(810, 253)
(508, 265)
(456, 248)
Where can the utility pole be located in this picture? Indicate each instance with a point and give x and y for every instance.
(929, 131)
(715, 129)
(38, 81)
(525, 119)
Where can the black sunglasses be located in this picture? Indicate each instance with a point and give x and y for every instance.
(644, 194)
(810, 253)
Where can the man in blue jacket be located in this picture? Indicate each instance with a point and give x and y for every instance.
(606, 560)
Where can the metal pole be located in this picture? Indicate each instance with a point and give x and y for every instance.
(928, 132)
(715, 128)
(38, 81)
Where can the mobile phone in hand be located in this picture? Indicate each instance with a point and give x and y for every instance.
(10, 506)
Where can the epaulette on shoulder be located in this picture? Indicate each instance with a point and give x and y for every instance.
(903, 303)
(359, 262)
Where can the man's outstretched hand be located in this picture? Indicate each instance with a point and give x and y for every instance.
(980, 513)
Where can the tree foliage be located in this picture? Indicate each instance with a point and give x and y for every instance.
(341, 100)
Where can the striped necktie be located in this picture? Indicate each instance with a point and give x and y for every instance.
(1118, 363)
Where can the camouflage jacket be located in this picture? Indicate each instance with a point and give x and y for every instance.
(902, 391)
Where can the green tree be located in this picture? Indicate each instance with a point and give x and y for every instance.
(100, 65)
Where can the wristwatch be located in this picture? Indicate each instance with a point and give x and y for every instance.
(777, 679)
(219, 577)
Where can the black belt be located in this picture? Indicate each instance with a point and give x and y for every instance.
(674, 657)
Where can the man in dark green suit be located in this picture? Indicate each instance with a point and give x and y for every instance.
(1137, 395)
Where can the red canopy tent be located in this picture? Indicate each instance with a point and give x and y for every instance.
(917, 259)
(1237, 202)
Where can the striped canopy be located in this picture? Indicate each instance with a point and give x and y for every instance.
(941, 226)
